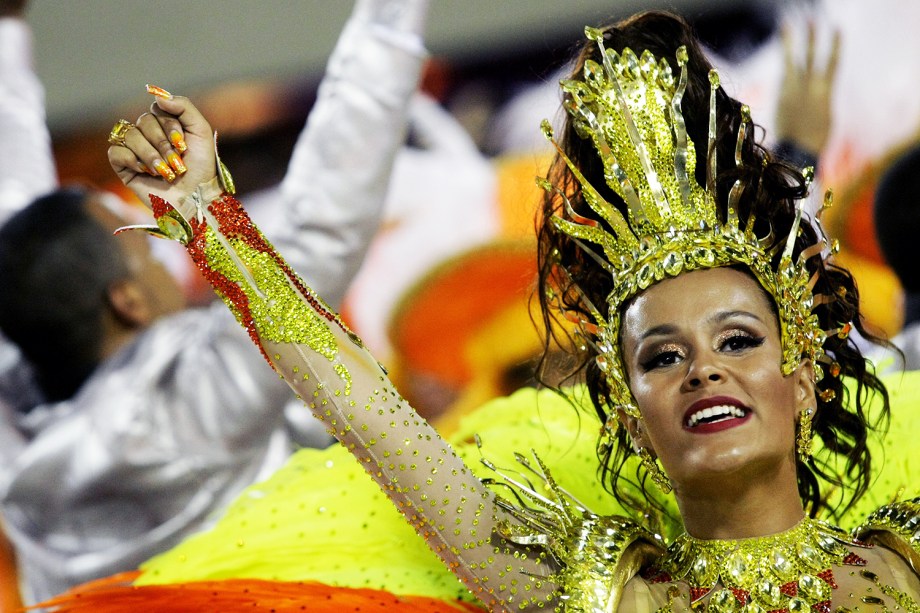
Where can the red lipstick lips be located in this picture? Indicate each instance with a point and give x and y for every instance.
(715, 414)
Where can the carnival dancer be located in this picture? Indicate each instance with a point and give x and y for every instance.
(713, 343)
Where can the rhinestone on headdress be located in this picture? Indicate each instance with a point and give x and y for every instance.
(630, 108)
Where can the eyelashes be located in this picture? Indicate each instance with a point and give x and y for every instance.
(664, 355)
(735, 340)
(738, 339)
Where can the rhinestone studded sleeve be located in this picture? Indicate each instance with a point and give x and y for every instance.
(345, 387)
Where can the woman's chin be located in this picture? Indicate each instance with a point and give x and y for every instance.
(719, 465)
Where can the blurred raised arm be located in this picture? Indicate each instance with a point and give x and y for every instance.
(337, 181)
(26, 161)
(803, 114)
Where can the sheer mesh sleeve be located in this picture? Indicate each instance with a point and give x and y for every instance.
(349, 391)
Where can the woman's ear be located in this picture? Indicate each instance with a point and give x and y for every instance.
(634, 428)
(129, 304)
(805, 386)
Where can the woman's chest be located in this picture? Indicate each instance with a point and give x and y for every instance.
(873, 579)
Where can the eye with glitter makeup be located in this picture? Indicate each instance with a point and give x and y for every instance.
(663, 356)
(738, 340)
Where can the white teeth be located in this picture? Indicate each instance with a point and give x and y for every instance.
(723, 411)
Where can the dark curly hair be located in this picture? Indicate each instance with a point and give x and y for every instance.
(771, 189)
(56, 262)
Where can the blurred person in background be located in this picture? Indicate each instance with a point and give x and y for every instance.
(897, 225)
(26, 171)
(155, 416)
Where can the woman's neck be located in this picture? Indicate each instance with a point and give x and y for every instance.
(740, 508)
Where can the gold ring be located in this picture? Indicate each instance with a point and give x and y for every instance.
(117, 135)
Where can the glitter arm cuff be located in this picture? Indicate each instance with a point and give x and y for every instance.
(344, 386)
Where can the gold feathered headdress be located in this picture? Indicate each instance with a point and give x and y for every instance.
(630, 108)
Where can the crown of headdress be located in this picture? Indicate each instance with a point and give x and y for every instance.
(630, 108)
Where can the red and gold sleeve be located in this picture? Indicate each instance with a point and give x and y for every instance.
(329, 368)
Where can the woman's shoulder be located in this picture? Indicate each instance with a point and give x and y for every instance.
(895, 526)
(601, 565)
(642, 596)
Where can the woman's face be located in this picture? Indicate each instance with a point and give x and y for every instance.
(703, 353)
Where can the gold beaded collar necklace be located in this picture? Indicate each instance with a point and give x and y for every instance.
(792, 570)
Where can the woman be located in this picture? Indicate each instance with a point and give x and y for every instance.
(752, 193)
(708, 316)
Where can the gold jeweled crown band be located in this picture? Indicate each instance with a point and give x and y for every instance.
(630, 107)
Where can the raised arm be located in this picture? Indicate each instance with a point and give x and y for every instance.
(328, 205)
(26, 162)
(804, 113)
(26, 171)
(334, 190)
(328, 367)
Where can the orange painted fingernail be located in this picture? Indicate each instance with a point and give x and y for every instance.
(164, 170)
(143, 168)
(176, 162)
(159, 92)
(175, 137)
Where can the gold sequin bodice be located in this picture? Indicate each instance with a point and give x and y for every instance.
(813, 566)
(882, 581)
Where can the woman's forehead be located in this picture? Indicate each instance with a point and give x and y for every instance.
(693, 298)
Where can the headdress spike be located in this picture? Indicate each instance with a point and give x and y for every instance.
(794, 231)
(651, 174)
(577, 108)
(734, 196)
(680, 130)
(809, 173)
(712, 167)
(593, 197)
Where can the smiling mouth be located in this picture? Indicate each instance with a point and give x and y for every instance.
(719, 414)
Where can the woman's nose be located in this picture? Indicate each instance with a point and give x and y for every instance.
(702, 372)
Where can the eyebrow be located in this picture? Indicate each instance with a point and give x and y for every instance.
(719, 317)
(661, 330)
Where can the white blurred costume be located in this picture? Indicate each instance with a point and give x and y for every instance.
(26, 172)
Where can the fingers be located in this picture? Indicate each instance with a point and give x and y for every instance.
(834, 58)
(145, 149)
(185, 117)
(125, 163)
(168, 152)
(158, 138)
(808, 68)
(133, 173)
(171, 127)
(810, 48)
(150, 145)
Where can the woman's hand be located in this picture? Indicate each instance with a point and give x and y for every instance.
(803, 113)
(168, 151)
